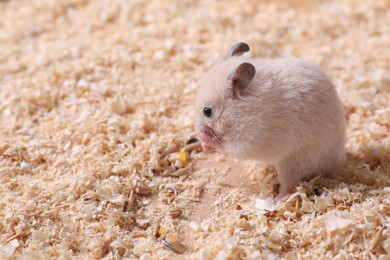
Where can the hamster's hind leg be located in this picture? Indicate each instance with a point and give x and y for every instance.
(335, 164)
(287, 180)
(290, 172)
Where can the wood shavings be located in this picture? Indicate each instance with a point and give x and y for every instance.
(337, 222)
(377, 238)
(267, 204)
(174, 246)
(97, 147)
(6, 251)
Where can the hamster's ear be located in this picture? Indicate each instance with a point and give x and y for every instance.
(237, 50)
(241, 76)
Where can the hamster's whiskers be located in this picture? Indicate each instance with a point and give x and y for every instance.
(209, 132)
(215, 137)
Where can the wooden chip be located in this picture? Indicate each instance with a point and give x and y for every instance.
(377, 238)
(174, 246)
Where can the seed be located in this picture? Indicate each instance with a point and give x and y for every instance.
(183, 157)
(162, 233)
(237, 207)
(169, 150)
(193, 199)
(129, 203)
(175, 213)
(179, 172)
(378, 237)
(190, 147)
(157, 161)
(143, 191)
(180, 158)
(156, 231)
(191, 140)
(243, 216)
(139, 234)
(174, 246)
(172, 187)
(161, 230)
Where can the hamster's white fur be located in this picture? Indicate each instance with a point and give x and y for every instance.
(288, 116)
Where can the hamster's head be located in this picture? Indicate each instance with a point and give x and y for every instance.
(220, 103)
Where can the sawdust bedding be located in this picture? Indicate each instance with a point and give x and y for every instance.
(97, 156)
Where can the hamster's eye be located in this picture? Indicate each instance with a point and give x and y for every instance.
(207, 111)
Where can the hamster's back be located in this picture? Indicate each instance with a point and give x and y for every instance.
(303, 108)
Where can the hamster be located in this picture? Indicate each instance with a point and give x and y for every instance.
(283, 112)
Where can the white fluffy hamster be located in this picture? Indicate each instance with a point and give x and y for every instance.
(282, 112)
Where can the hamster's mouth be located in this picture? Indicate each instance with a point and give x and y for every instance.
(210, 139)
